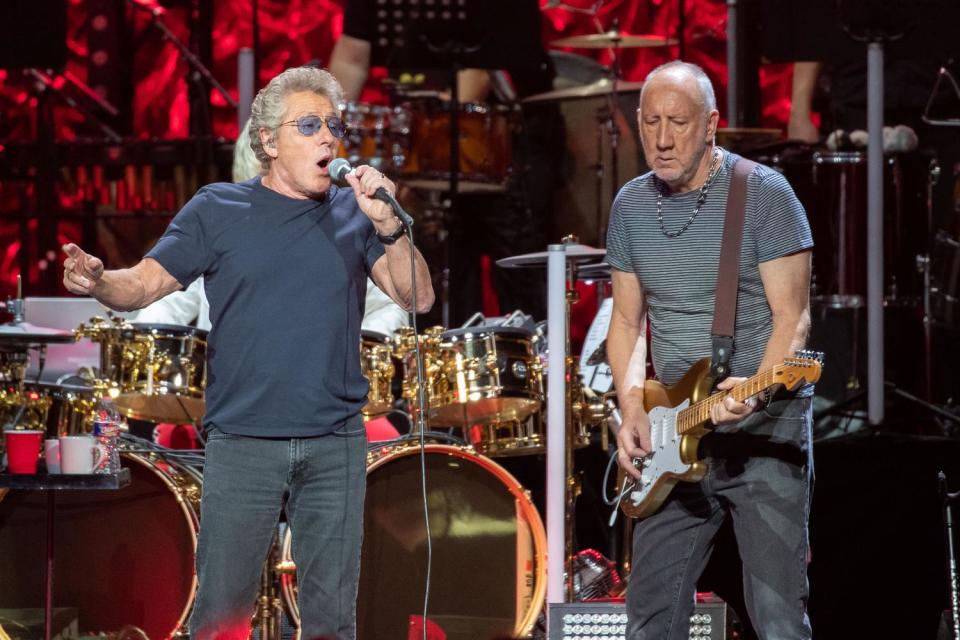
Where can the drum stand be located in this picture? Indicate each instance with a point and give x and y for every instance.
(269, 613)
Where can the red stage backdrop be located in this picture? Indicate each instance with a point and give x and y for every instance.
(293, 32)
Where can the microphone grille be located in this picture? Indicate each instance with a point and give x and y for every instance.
(339, 168)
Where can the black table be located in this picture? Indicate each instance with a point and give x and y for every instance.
(51, 483)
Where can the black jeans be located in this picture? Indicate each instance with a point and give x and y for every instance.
(760, 475)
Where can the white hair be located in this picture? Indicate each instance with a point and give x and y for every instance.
(270, 104)
(707, 96)
(245, 162)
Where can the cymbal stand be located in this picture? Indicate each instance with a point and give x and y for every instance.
(613, 131)
(561, 485)
(14, 306)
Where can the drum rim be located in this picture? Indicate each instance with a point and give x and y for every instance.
(181, 329)
(186, 507)
(373, 336)
(538, 533)
(480, 330)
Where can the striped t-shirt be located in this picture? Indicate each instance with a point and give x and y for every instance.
(678, 275)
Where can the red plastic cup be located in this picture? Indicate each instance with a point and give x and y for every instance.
(23, 450)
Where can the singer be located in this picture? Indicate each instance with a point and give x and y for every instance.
(285, 257)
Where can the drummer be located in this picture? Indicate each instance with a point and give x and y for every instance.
(500, 225)
(285, 258)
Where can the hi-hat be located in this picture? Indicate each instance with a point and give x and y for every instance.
(601, 87)
(613, 38)
(24, 333)
(574, 253)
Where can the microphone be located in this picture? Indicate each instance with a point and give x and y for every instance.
(339, 170)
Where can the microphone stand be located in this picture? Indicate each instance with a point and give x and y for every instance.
(199, 68)
(946, 499)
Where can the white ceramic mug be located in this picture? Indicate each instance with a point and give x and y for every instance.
(79, 454)
(51, 452)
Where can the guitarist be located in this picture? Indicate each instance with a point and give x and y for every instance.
(664, 247)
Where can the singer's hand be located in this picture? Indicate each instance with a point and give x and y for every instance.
(81, 271)
(365, 181)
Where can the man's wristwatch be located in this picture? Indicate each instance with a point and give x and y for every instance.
(393, 237)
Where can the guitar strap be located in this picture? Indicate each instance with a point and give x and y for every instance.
(728, 276)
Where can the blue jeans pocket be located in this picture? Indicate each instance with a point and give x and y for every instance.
(213, 434)
(788, 409)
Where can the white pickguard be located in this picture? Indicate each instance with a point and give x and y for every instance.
(665, 457)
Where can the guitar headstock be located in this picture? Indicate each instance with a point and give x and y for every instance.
(803, 368)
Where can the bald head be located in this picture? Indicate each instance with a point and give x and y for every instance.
(678, 120)
(687, 75)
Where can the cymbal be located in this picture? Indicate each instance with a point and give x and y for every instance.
(601, 87)
(575, 253)
(24, 333)
(613, 38)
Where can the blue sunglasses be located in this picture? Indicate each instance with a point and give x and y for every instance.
(309, 125)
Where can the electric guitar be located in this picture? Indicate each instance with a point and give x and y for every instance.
(680, 417)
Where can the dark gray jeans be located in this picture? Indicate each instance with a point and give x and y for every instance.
(244, 480)
(760, 474)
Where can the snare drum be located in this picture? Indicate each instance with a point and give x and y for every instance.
(488, 542)
(129, 553)
(485, 146)
(376, 361)
(481, 374)
(61, 409)
(160, 371)
(529, 436)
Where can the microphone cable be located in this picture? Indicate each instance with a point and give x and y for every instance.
(338, 169)
(407, 223)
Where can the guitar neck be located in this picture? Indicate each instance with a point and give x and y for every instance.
(699, 413)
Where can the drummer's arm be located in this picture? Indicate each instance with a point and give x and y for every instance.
(350, 64)
(118, 289)
(800, 125)
(473, 85)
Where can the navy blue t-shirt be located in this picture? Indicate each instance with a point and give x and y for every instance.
(286, 281)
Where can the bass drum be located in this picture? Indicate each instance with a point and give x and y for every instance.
(124, 558)
(489, 548)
